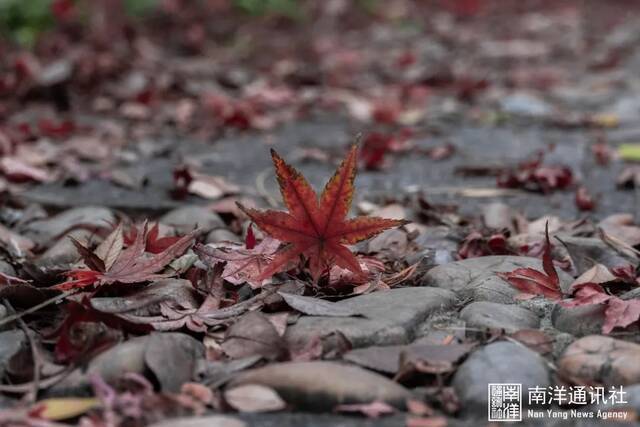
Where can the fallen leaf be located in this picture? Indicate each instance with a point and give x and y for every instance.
(597, 274)
(253, 334)
(63, 408)
(250, 240)
(210, 187)
(621, 226)
(68, 348)
(533, 282)
(620, 313)
(132, 265)
(254, 398)
(19, 171)
(533, 175)
(317, 229)
(110, 248)
(584, 199)
(241, 264)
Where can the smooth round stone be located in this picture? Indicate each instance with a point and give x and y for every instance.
(603, 360)
(321, 386)
(500, 362)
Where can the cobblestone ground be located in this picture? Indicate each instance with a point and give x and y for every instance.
(469, 115)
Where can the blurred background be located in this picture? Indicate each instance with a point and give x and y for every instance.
(120, 102)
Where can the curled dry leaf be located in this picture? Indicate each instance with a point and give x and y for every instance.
(598, 274)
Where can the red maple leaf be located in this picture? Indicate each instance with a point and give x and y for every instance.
(317, 228)
(534, 282)
(131, 265)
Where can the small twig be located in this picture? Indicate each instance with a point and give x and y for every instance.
(36, 307)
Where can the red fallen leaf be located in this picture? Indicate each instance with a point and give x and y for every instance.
(250, 240)
(532, 175)
(476, 245)
(406, 59)
(471, 246)
(533, 282)
(620, 313)
(602, 153)
(584, 200)
(182, 177)
(587, 294)
(242, 264)
(317, 228)
(63, 10)
(370, 266)
(374, 148)
(239, 114)
(626, 273)
(131, 265)
(154, 244)
(386, 112)
(376, 145)
(56, 130)
(66, 350)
